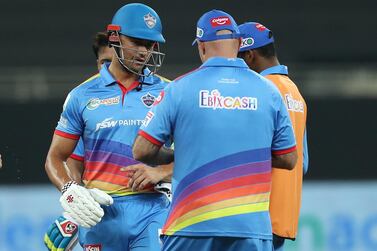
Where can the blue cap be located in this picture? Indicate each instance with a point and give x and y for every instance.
(139, 21)
(255, 35)
(214, 21)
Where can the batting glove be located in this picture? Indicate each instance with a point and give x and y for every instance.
(165, 188)
(61, 235)
(83, 205)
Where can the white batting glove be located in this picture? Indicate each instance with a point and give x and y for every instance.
(164, 188)
(101, 197)
(79, 203)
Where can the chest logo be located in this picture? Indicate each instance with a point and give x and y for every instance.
(94, 103)
(148, 100)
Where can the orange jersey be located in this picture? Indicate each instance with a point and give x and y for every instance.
(285, 199)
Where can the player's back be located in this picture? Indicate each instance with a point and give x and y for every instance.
(224, 129)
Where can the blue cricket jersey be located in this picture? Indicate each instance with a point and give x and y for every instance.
(108, 117)
(226, 121)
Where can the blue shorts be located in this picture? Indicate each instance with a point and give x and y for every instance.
(190, 243)
(131, 223)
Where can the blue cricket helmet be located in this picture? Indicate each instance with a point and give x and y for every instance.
(139, 21)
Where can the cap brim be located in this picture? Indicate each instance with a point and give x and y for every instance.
(194, 42)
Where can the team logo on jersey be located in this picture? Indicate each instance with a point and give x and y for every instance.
(150, 20)
(249, 41)
(293, 104)
(214, 100)
(148, 99)
(94, 103)
(219, 21)
(93, 247)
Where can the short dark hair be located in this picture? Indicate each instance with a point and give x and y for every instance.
(267, 51)
(101, 39)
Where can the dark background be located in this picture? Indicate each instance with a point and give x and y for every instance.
(342, 129)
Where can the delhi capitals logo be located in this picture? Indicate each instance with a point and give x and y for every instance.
(148, 100)
(150, 20)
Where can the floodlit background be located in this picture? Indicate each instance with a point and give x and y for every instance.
(329, 47)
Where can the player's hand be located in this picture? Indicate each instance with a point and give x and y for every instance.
(61, 235)
(81, 206)
(141, 175)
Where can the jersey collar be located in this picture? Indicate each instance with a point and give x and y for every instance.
(225, 62)
(278, 69)
(108, 79)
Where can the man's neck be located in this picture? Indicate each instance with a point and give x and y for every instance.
(123, 76)
(267, 63)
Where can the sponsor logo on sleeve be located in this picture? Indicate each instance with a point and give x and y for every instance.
(148, 100)
(63, 122)
(214, 100)
(94, 103)
(150, 20)
(220, 21)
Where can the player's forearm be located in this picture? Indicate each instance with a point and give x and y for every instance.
(151, 154)
(56, 171)
(75, 169)
(167, 171)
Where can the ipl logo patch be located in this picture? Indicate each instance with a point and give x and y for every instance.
(150, 20)
(148, 99)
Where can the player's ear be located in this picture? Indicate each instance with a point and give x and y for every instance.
(202, 50)
(250, 55)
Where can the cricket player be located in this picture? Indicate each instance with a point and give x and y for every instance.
(107, 111)
(55, 237)
(1, 162)
(236, 125)
(259, 53)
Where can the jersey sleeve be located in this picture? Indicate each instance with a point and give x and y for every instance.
(79, 152)
(70, 124)
(306, 154)
(283, 141)
(158, 123)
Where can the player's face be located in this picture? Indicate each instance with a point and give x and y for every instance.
(136, 52)
(105, 54)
